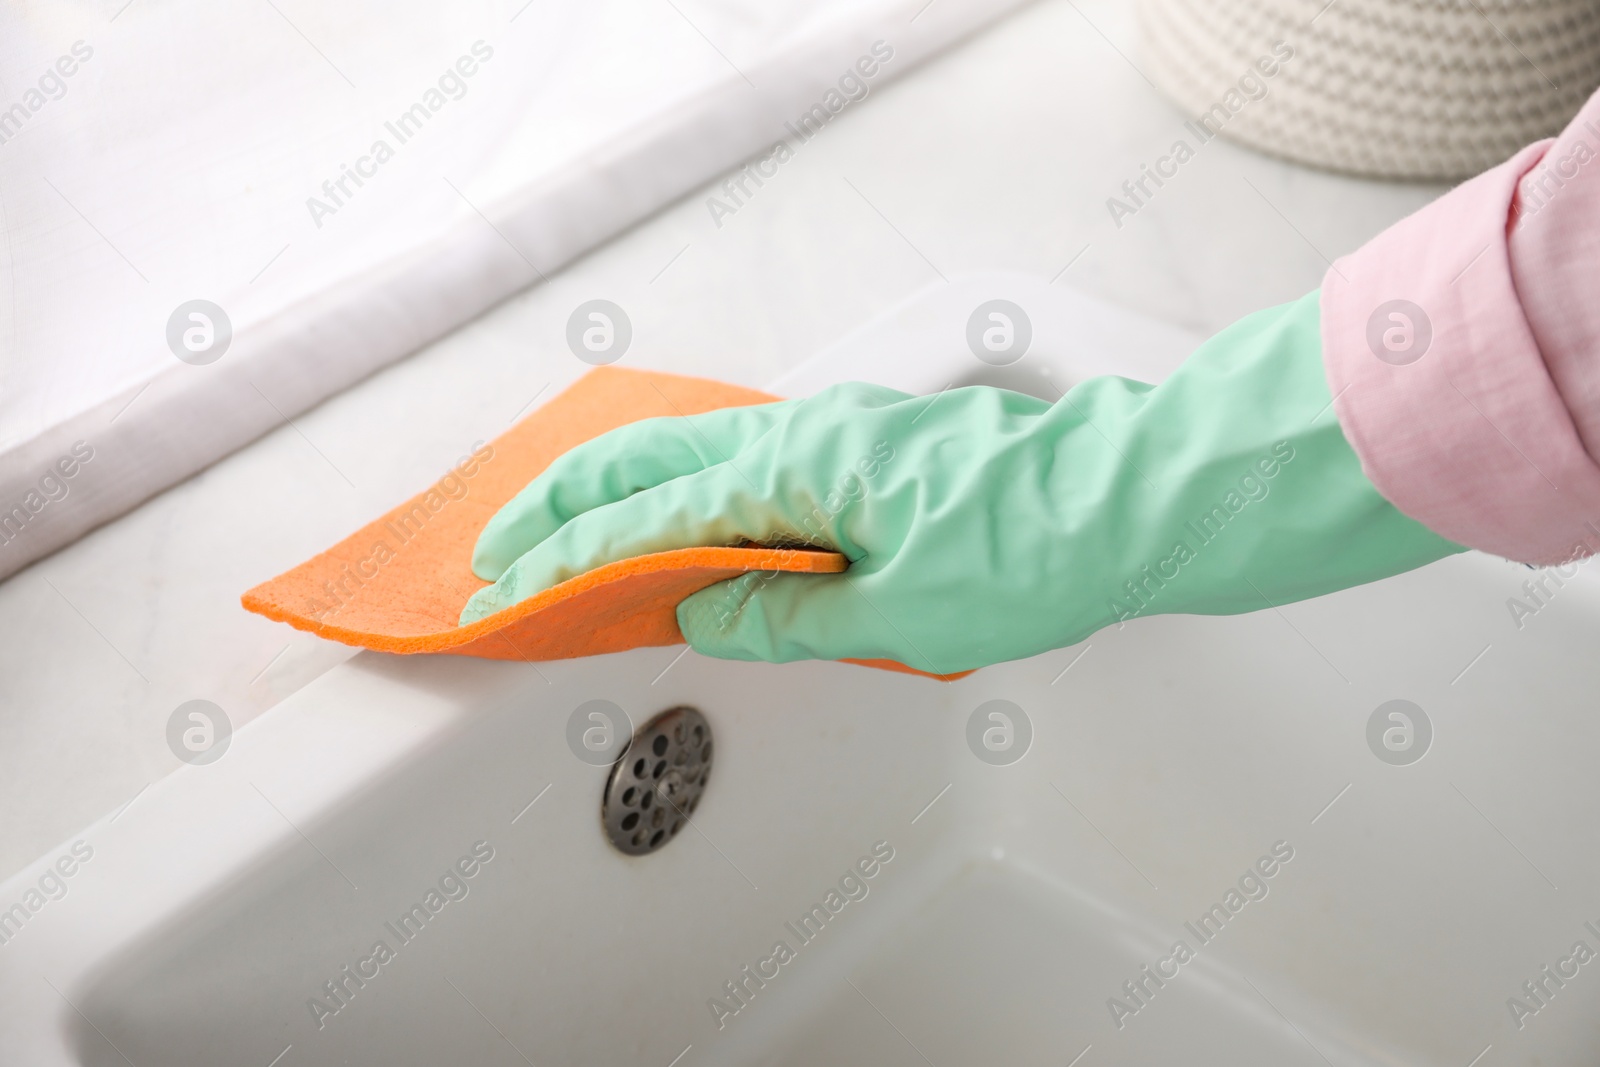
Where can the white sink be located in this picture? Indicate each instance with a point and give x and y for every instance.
(1167, 759)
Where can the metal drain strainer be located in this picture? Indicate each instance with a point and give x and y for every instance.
(656, 785)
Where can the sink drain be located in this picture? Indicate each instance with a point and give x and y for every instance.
(656, 785)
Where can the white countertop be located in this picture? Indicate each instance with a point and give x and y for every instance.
(998, 156)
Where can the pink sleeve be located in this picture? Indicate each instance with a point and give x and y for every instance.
(1461, 349)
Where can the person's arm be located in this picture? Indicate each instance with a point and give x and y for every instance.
(982, 525)
(1476, 409)
(1457, 350)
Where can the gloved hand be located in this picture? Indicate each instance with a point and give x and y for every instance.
(982, 525)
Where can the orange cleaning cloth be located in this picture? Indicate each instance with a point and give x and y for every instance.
(399, 583)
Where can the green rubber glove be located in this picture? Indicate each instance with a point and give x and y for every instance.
(982, 525)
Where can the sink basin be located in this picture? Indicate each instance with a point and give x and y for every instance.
(405, 861)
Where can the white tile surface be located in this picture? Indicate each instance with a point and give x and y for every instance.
(998, 156)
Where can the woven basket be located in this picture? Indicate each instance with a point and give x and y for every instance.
(1387, 88)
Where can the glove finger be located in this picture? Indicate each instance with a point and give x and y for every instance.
(613, 467)
(715, 506)
(786, 617)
